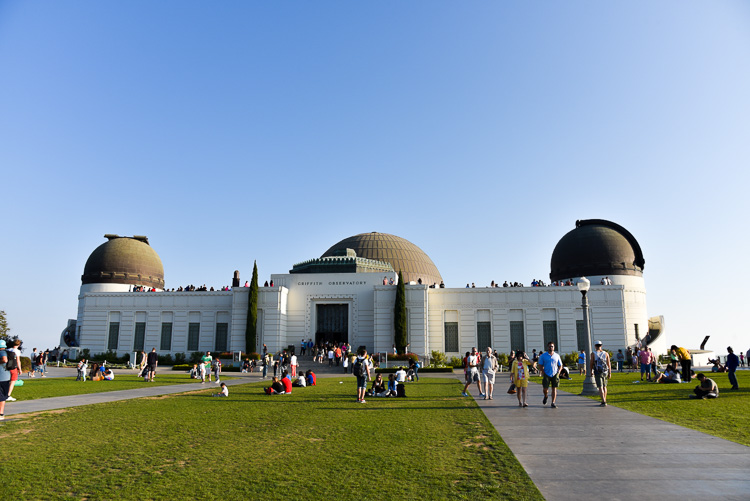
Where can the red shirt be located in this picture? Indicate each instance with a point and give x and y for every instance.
(287, 384)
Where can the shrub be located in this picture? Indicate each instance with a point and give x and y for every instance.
(195, 357)
(179, 358)
(456, 363)
(111, 357)
(503, 359)
(253, 356)
(571, 359)
(166, 359)
(25, 364)
(438, 358)
(182, 367)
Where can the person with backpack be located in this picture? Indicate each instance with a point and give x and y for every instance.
(4, 378)
(602, 367)
(13, 366)
(361, 369)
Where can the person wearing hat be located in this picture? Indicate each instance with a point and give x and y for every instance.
(4, 378)
(601, 365)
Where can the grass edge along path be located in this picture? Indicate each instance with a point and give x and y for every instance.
(317, 442)
(35, 388)
(726, 417)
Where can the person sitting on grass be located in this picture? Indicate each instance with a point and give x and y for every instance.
(707, 388)
(300, 382)
(670, 375)
(311, 379)
(107, 374)
(716, 365)
(392, 384)
(276, 387)
(565, 373)
(286, 381)
(401, 375)
(378, 387)
(224, 391)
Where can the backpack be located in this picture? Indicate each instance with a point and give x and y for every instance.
(601, 363)
(12, 361)
(360, 368)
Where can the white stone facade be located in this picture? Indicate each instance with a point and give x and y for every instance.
(446, 320)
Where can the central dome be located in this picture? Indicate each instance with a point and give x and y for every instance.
(399, 252)
(124, 260)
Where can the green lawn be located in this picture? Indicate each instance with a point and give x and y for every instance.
(316, 443)
(727, 416)
(62, 386)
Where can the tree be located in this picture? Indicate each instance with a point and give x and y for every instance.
(252, 313)
(4, 329)
(399, 315)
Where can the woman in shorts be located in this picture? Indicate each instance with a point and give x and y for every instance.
(520, 376)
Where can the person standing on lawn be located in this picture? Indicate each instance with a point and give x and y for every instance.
(733, 362)
(686, 361)
(152, 362)
(601, 365)
(620, 360)
(361, 369)
(206, 361)
(551, 365)
(645, 357)
(13, 366)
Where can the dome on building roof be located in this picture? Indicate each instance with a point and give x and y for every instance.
(596, 247)
(124, 260)
(398, 252)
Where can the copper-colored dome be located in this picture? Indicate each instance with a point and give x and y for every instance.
(400, 253)
(596, 247)
(124, 260)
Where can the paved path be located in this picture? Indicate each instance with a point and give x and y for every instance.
(581, 450)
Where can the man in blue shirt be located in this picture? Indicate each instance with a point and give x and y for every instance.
(733, 361)
(551, 365)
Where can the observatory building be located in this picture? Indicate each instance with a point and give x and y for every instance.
(346, 295)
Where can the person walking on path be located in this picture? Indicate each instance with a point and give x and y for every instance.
(733, 362)
(551, 365)
(362, 367)
(686, 362)
(152, 362)
(13, 366)
(520, 377)
(489, 367)
(601, 365)
(4, 378)
(472, 374)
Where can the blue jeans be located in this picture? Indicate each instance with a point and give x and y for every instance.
(733, 379)
(619, 366)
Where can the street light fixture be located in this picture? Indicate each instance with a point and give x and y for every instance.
(589, 385)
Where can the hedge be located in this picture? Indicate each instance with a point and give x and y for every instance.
(392, 370)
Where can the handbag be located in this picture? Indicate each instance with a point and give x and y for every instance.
(512, 389)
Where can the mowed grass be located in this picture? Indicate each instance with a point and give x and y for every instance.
(39, 387)
(727, 416)
(317, 443)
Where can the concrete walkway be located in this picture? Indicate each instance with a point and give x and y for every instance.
(581, 450)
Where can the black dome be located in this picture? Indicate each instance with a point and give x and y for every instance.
(596, 247)
(124, 260)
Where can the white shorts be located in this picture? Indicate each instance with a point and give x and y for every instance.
(488, 377)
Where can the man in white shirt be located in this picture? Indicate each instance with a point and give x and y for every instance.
(400, 375)
(293, 363)
(489, 366)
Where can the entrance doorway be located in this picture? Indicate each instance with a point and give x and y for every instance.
(332, 323)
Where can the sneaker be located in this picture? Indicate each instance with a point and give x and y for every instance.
(2, 417)
(544, 400)
(603, 404)
(525, 404)
(490, 397)
(464, 394)
(553, 405)
(481, 394)
(363, 401)
(10, 399)
(485, 397)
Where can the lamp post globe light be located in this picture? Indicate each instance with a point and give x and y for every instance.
(589, 385)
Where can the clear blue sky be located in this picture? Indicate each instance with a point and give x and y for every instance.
(229, 132)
